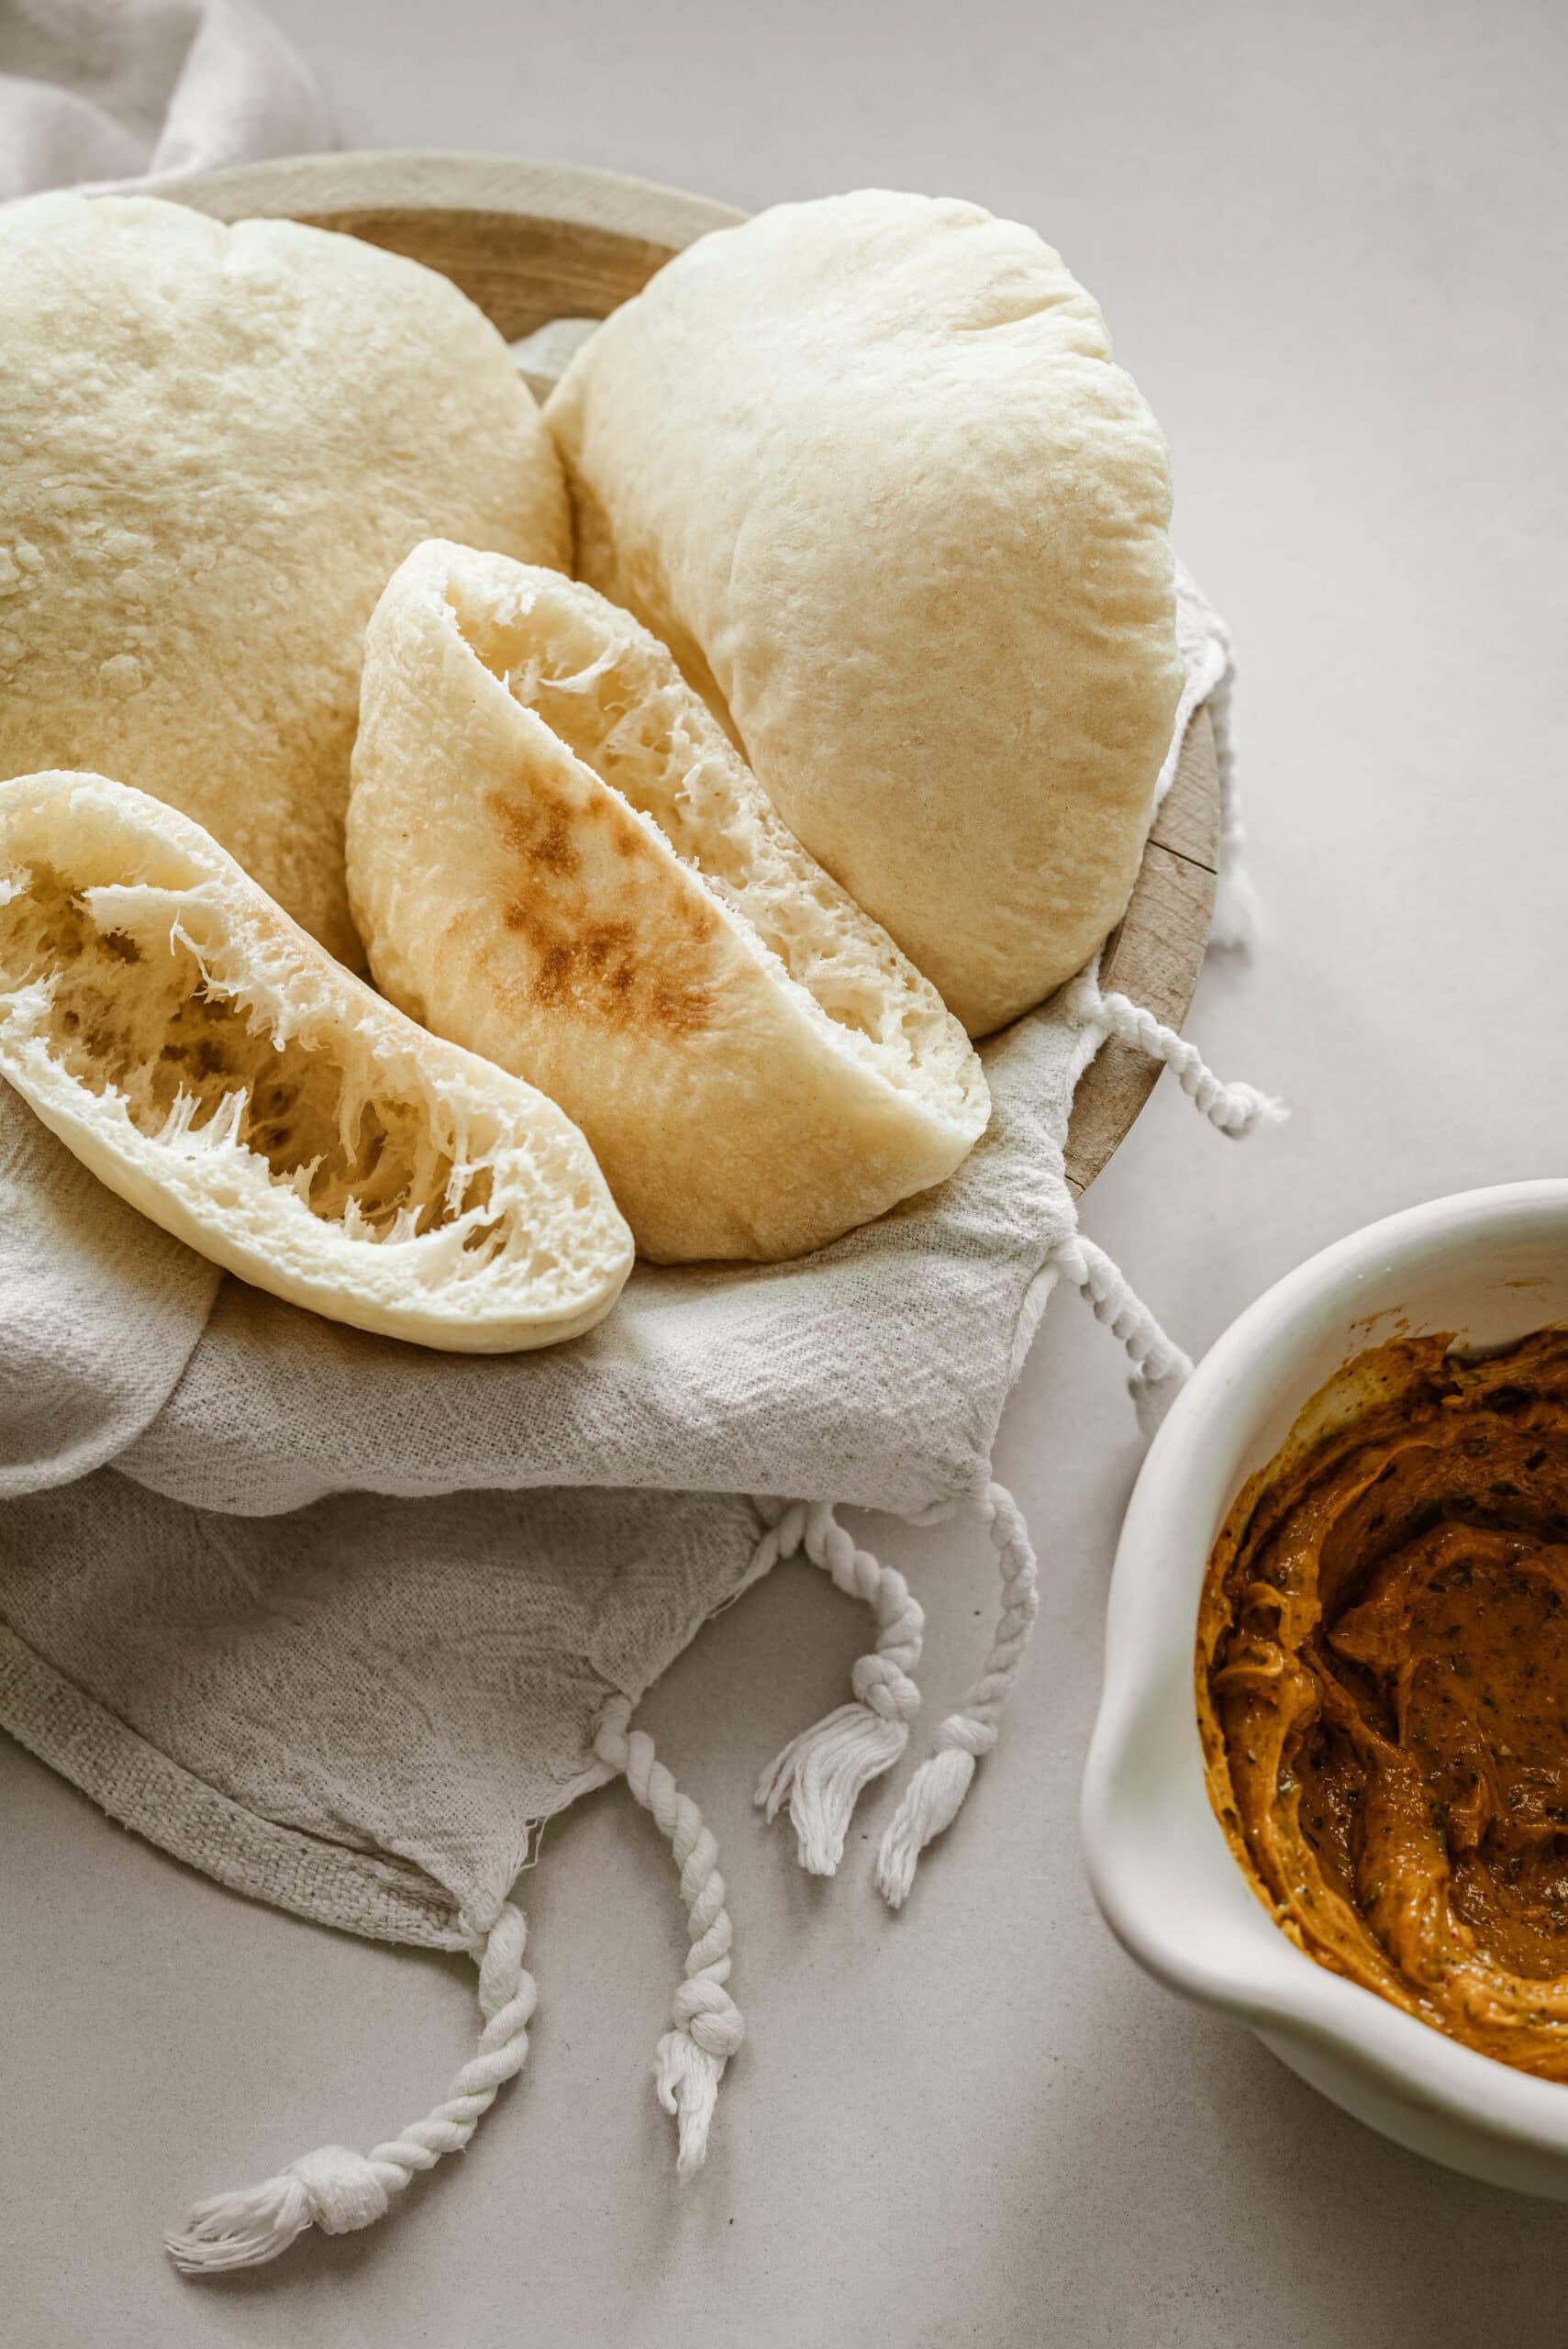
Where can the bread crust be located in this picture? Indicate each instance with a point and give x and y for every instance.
(557, 858)
(216, 1067)
(867, 465)
(216, 445)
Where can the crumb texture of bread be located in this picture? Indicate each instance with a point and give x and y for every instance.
(214, 1067)
(217, 443)
(558, 858)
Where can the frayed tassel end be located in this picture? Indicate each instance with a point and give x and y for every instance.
(708, 2025)
(686, 2078)
(1233, 928)
(243, 2230)
(934, 1795)
(822, 1775)
(339, 2190)
(333, 2189)
(932, 1800)
(823, 1771)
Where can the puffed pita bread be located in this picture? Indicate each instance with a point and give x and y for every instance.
(866, 465)
(557, 858)
(216, 445)
(218, 1069)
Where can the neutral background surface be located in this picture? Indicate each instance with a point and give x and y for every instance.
(1331, 243)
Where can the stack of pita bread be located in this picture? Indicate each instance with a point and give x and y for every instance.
(685, 881)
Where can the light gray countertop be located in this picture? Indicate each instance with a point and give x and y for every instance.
(1332, 243)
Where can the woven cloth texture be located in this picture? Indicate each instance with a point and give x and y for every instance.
(334, 1617)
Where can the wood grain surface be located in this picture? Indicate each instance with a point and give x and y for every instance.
(534, 241)
(1155, 952)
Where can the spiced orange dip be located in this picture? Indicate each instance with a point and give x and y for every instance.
(1382, 1688)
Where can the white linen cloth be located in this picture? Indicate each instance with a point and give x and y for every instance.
(146, 91)
(341, 1621)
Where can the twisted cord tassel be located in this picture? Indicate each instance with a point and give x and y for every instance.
(339, 2190)
(1234, 923)
(709, 2026)
(1235, 1109)
(935, 1794)
(1160, 1368)
(824, 1771)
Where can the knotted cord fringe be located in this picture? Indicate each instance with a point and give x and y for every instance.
(1236, 1109)
(1233, 925)
(1160, 1368)
(709, 2026)
(339, 2190)
(823, 1770)
(935, 1794)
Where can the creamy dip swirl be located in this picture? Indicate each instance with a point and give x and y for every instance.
(1383, 1688)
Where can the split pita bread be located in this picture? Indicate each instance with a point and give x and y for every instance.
(216, 445)
(866, 465)
(217, 1068)
(557, 858)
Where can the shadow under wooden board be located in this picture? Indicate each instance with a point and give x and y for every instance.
(530, 242)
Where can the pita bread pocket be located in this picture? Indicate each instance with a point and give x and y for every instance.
(867, 466)
(216, 445)
(557, 858)
(214, 1067)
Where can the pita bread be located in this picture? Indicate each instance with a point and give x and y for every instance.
(557, 858)
(217, 1068)
(216, 445)
(866, 465)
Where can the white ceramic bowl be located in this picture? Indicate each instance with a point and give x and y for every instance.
(1490, 1265)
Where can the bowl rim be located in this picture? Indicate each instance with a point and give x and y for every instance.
(1280, 1988)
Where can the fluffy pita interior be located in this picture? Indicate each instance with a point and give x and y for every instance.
(615, 698)
(144, 994)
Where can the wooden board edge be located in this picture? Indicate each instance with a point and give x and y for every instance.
(1154, 956)
(372, 181)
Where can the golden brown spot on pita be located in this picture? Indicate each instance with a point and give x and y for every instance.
(538, 829)
(680, 1010)
(699, 917)
(601, 969)
(627, 838)
(574, 951)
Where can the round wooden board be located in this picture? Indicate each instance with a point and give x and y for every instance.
(530, 242)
